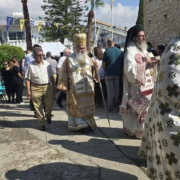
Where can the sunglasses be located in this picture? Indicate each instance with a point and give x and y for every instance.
(39, 55)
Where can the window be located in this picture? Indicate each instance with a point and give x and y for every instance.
(16, 35)
(20, 35)
(12, 35)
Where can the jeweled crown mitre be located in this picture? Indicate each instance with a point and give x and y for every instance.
(79, 39)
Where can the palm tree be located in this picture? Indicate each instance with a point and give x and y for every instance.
(94, 4)
(27, 24)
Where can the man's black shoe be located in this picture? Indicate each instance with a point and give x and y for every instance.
(35, 114)
(49, 120)
(59, 104)
(43, 128)
(109, 110)
(86, 129)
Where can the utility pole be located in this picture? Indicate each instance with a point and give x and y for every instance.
(112, 5)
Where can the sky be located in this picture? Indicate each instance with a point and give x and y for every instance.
(124, 12)
(124, 2)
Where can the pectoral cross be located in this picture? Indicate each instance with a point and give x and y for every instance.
(83, 74)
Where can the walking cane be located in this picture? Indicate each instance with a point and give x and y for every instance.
(100, 85)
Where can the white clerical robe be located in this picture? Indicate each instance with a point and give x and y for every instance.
(161, 137)
(136, 77)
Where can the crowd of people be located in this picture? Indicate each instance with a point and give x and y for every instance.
(141, 82)
(12, 78)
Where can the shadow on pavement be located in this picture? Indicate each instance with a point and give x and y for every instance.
(99, 148)
(59, 127)
(65, 171)
(92, 147)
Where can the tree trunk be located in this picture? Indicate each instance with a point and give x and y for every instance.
(89, 32)
(27, 25)
(62, 40)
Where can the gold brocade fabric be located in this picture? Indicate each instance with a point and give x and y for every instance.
(79, 91)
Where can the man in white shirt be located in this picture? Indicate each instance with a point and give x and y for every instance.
(40, 86)
(62, 95)
(66, 54)
(28, 59)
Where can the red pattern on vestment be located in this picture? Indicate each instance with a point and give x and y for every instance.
(140, 70)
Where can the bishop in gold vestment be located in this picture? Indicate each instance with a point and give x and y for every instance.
(76, 79)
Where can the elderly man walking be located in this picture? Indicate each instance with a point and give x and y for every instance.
(40, 86)
(76, 79)
(28, 59)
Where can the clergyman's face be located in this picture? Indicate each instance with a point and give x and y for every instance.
(81, 49)
(140, 38)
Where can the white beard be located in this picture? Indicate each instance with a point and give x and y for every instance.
(81, 58)
(142, 45)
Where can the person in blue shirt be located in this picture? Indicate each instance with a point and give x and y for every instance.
(29, 58)
(111, 65)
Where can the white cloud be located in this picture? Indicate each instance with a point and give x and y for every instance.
(123, 15)
(10, 6)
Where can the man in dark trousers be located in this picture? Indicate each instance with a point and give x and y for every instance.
(111, 65)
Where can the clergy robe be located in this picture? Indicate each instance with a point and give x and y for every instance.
(161, 137)
(136, 76)
(78, 84)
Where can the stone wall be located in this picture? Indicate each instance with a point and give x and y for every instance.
(161, 20)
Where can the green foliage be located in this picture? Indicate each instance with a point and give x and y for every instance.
(140, 19)
(7, 52)
(68, 13)
(96, 3)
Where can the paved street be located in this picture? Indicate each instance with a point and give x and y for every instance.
(29, 154)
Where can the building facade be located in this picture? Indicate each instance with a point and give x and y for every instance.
(15, 37)
(104, 32)
(161, 20)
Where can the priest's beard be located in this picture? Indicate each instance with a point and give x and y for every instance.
(142, 45)
(81, 58)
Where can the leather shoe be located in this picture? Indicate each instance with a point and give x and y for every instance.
(86, 129)
(43, 128)
(59, 104)
(49, 120)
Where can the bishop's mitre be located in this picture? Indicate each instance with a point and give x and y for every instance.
(79, 39)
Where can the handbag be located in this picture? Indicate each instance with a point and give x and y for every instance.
(139, 102)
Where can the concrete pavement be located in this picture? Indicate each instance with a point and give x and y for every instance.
(28, 154)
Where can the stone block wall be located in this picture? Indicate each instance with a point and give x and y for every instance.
(161, 20)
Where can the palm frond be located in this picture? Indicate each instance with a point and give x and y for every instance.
(96, 3)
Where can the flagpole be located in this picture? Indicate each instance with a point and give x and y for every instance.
(112, 17)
